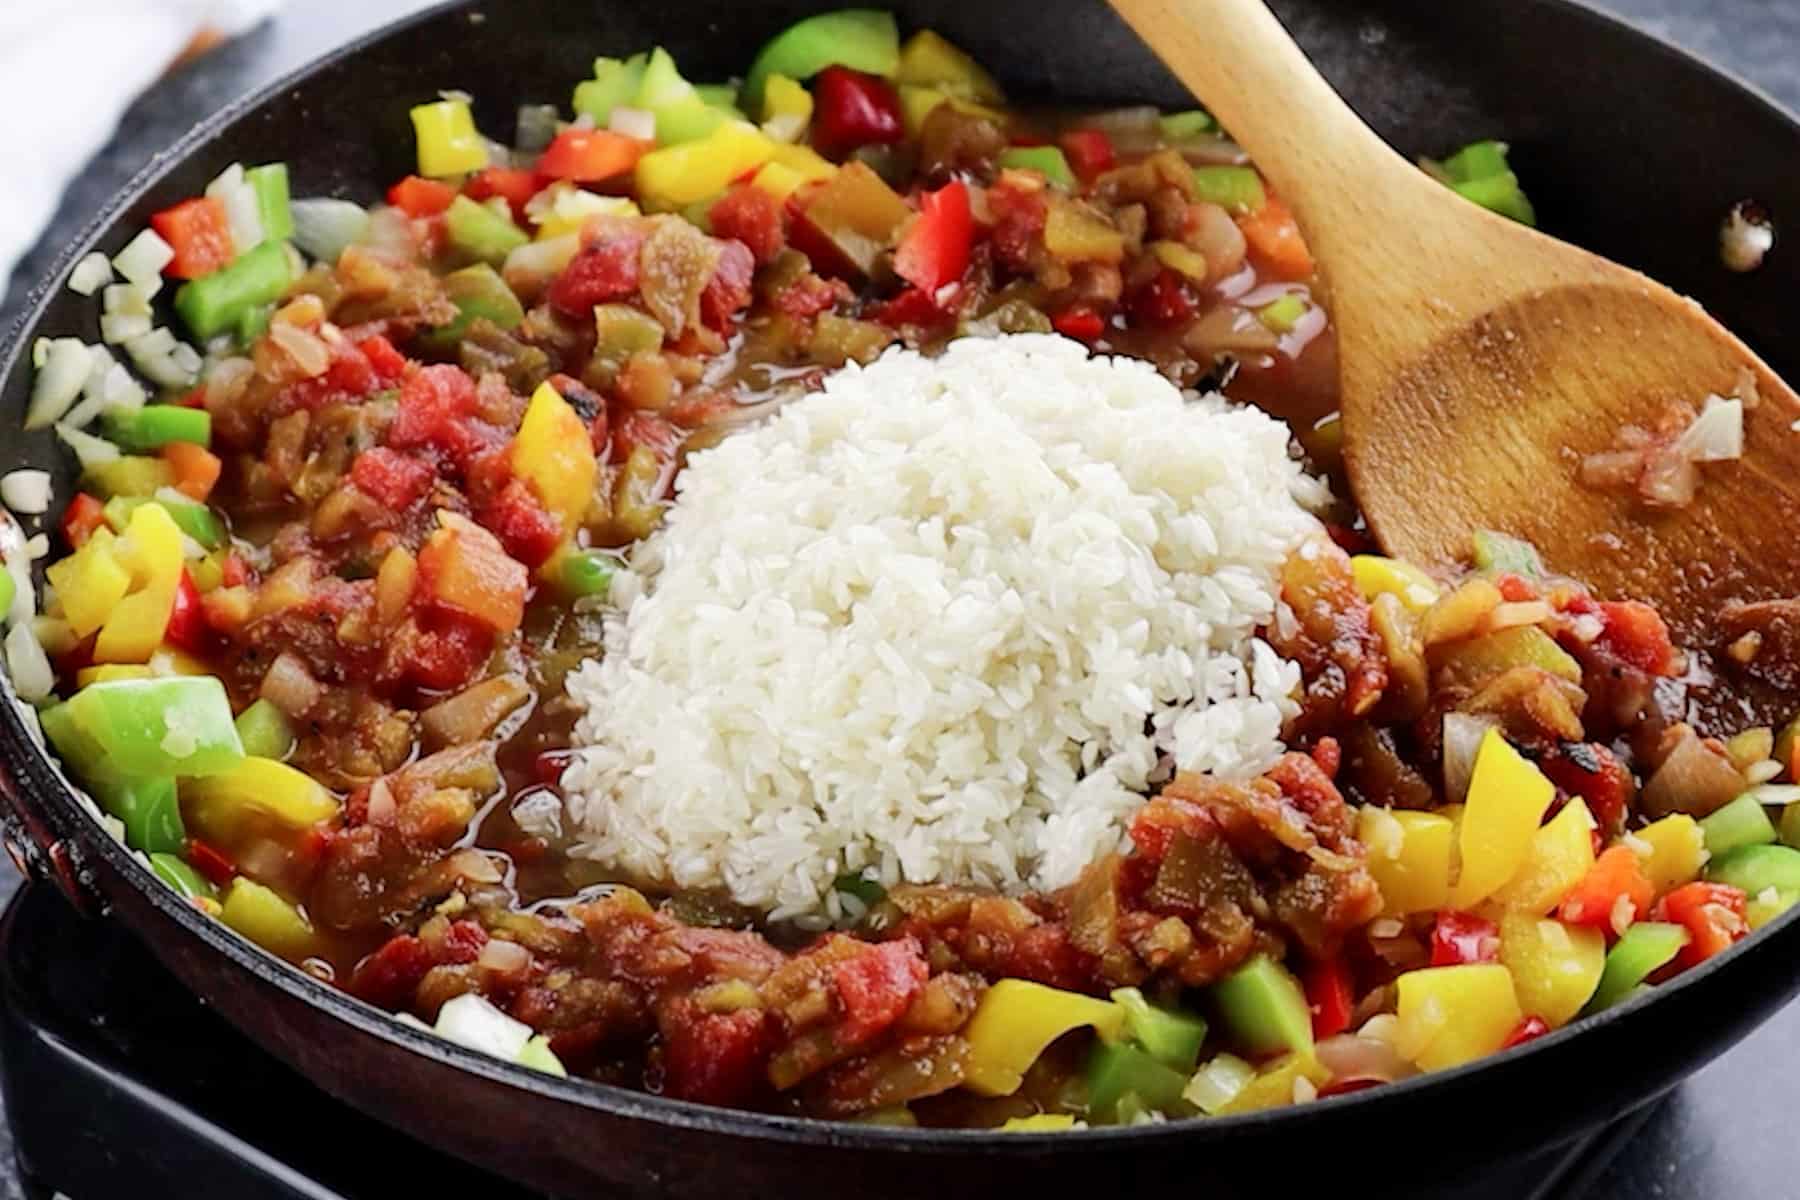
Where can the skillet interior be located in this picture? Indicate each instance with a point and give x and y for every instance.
(1627, 147)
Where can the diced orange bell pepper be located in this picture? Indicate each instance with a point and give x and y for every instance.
(1616, 876)
(1712, 913)
(590, 155)
(196, 468)
(84, 515)
(417, 197)
(1275, 240)
(463, 567)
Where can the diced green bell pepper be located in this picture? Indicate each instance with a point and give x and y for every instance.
(1172, 1038)
(587, 572)
(149, 809)
(858, 884)
(865, 39)
(721, 96)
(1263, 1009)
(128, 475)
(1756, 868)
(253, 323)
(196, 520)
(173, 870)
(8, 589)
(154, 426)
(687, 121)
(1740, 823)
(1048, 161)
(216, 303)
(1500, 194)
(144, 728)
(1178, 127)
(478, 232)
(1477, 160)
(1282, 314)
(1643, 949)
(270, 182)
(479, 294)
(1122, 1069)
(614, 83)
(1499, 552)
(265, 731)
(1238, 190)
(1790, 820)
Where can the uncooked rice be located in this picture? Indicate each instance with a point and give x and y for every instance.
(948, 619)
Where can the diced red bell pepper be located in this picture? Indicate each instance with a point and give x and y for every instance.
(388, 363)
(934, 252)
(1163, 301)
(1613, 893)
(210, 862)
(529, 533)
(417, 197)
(914, 306)
(1525, 1031)
(1089, 151)
(1331, 996)
(84, 515)
(590, 155)
(187, 627)
(852, 109)
(390, 976)
(877, 986)
(1460, 937)
(1082, 324)
(200, 234)
(749, 215)
(1596, 774)
(607, 270)
(511, 184)
(1636, 633)
(714, 1058)
(1019, 218)
(1712, 913)
(433, 403)
(394, 480)
(728, 292)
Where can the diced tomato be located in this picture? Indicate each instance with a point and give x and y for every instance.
(451, 647)
(393, 480)
(388, 363)
(210, 862)
(1712, 913)
(433, 403)
(1019, 217)
(645, 429)
(1329, 755)
(1613, 893)
(515, 186)
(187, 627)
(852, 109)
(1525, 1031)
(1637, 634)
(1163, 301)
(1275, 242)
(1089, 151)
(749, 215)
(529, 533)
(876, 987)
(1330, 995)
(1350, 541)
(549, 766)
(418, 197)
(234, 572)
(714, 1058)
(934, 253)
(200, 234)
(590, 155)
(1082, 324)
(914, 306)
(1595, 773)
(195, 467)
(466, 570)
(810, 295)
(390, 976)
(1460, 937)
(728, 291)
(606, 270)
(84, 515)
(463, 942)
(350, 376)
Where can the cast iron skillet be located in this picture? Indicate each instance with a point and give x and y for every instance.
(1628, 146)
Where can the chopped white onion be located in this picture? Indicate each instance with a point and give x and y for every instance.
(54, 634)
(323, 226)
(26, 491)
(1745, 238)
(40, 352)
(536, 128)
(154, 354)
(503, 957)
(1776, 793)
(67, 362)
(143, 259)
(1218, 1082)
(1717, 434)
(91, 274)
(470, 1020)
(243, 210)
(37, 546)
(186, 358)
(785, 127)
(28, 664)
(539, 814)
(90, 450)
(636, 123)
(125, 299)
(118, 328)
(1462, 738)
(116, 389)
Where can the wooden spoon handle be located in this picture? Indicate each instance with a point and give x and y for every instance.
(1332, 170)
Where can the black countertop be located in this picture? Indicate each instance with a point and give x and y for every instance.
(1726, 1133)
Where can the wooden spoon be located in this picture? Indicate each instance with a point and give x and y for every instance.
(1481, 361)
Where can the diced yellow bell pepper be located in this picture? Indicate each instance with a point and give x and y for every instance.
(90, 582)
(555, 455)
(779, 180)
(929, 60)
(1507, 799)
(1475, 659)
(1375, 575)
(677, 176)
(564, 208)
(1073, 232)
(151, 548)
(1555, 967)
(1040, 1122)
(1677, 851)
(1451, 1015)
(787, 108)
(107, 672)
(1409, 858)
(172, 660)
(449, 143)
(1016, 1020)
(151, 551)
(1561, 852)
(918, 103)
(1273, 1086)
(268, 920)
(218, 804)
(804, 159)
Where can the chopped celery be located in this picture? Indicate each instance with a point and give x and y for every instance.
(270, 182)
(156, 425)
(252, 323)
(1048, 161)
(1477, 160)
(1639, 953)
(1263, 1009)
(1501, 194)
(1172, 1038)
(479, 294)
(1499, 552)
(173, 870)
(1283, 314)
(265, 732)
(1237, 189)
(1740, 823)
(614, 83)
(141, 728)
(864, 39)
(1118, 1070)
(149, 810)
(216, 303)
(1755, 868)
(721, 96)
(1178, 127)
(480, 233)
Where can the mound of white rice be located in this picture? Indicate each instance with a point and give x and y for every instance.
(948, 619)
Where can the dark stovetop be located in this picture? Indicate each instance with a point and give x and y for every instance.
(1726, 1133)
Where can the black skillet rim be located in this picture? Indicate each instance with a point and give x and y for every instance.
(35, 773)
